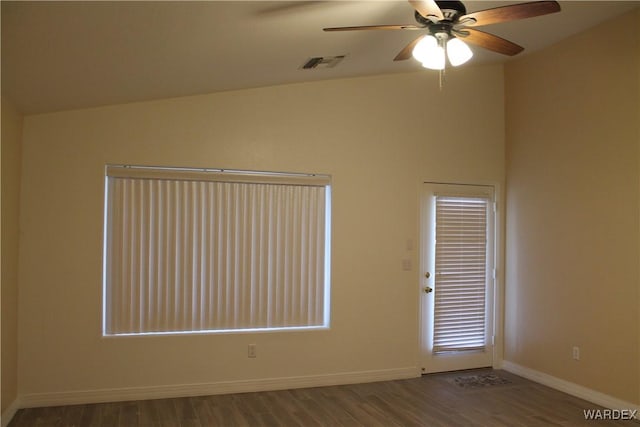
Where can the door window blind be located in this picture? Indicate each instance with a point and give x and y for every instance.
(461, 274)
(190, 251)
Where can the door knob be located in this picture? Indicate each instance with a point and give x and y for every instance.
(427, 290)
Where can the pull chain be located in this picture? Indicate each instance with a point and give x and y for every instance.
(442, 73)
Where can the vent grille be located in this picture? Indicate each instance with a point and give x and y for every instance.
(322, 62)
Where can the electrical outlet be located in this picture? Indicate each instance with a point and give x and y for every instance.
(251, 351)
(576, 353)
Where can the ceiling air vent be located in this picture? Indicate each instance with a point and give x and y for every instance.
(322, 62)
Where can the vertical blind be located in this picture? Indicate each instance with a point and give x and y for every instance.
(461, 274)
(196, 251)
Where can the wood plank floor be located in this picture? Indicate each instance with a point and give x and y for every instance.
(433, 400)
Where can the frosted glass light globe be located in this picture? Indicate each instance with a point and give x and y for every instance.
(458, 52)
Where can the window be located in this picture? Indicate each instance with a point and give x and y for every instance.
(210, 250)
(461, 273)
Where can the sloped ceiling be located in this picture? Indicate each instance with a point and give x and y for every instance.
(68, 55)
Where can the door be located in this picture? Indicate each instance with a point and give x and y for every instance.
(457, 277)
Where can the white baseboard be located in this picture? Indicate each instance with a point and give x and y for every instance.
(225, 387)
(9, 413)
(573, 389)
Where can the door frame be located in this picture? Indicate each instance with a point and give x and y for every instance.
(498, 291)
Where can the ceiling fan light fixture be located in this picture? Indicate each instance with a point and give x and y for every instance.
(435, 60)
(429, 52)
(458, 52)
(425, 47)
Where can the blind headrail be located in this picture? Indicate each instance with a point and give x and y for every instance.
(217, 175)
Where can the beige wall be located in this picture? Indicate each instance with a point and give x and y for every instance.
(11, 136)
(573, 209)
(378, 136)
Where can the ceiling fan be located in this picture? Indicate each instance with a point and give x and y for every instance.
(447, 23)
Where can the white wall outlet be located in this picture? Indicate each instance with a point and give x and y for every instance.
(576, 353)
(252, 351)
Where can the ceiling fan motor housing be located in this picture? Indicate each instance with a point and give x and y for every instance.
(451, 10)
(453, 7)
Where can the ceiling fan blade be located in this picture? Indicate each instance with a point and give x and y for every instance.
(408, 50)
(509, 13)
(491, 42)
(427, 8)
(375, 27)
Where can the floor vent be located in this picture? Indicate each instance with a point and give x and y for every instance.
(322, 62)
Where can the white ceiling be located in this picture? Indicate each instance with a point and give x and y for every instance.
(67, 55)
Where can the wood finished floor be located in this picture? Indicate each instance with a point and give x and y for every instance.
(433, 400)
